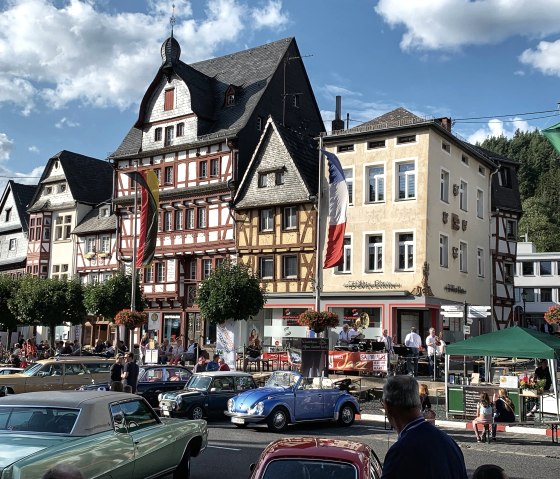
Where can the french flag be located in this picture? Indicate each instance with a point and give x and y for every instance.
(338, 204)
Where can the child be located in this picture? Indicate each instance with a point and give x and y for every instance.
(484, 414)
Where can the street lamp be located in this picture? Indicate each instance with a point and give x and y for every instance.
(524, 298)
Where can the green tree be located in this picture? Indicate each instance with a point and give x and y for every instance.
(108, 298)
(537, 223)
(232, 291)
(48, 302)
(8, 288)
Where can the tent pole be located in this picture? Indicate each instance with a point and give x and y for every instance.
(446, 386)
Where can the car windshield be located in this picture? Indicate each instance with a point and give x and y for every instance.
(38, 419)
(307, 469)
(32, 370)
(199, 383)
(282, 379)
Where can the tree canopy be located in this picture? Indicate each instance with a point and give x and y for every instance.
(231, 292)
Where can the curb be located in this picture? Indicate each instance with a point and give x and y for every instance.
(467, 425)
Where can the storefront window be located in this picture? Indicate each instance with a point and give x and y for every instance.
(171, 326)
(351, 314)
(291, 315)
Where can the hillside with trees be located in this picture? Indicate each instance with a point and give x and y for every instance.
(539, 184)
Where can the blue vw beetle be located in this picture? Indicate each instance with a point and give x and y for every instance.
(289, 398)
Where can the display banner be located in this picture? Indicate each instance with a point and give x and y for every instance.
(356, 361)
(225, 343)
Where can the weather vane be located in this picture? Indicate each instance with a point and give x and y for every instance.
(172, 19)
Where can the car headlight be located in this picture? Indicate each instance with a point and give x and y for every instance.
(159, 397)
(230, 404)
(256, 409)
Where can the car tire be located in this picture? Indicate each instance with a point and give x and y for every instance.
(196, 412)
(278, 419)
(346, 415)
(183, 470)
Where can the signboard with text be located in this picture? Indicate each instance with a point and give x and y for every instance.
(357, 361)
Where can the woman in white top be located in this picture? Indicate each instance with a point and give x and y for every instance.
(484, 414)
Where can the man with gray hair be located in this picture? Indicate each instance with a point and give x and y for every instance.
(429, 452)
(63, 471)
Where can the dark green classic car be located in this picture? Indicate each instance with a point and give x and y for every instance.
(106, 435)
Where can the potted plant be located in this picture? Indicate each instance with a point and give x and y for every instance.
(531, 386)
(552, 315)
(130, 319)
(89, 255)
(318, 321)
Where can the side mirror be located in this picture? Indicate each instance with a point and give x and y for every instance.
(213, 390)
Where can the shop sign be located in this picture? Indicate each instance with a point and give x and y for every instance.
(375, 285)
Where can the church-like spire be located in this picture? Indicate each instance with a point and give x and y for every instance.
(170, 50)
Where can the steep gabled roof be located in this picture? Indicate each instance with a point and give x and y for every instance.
(400, 116)
(90, 180)
(23, 194)
(248, 71)
(94, 223)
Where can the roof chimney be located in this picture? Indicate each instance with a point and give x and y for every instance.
(337, 123)
(445, 122)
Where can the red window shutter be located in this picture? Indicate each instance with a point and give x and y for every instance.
(169, 100)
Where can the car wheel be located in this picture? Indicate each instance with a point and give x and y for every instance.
(196, 412)
(346, 415)
(183, 470)
(278, 420)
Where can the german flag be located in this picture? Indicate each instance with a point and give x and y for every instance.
(147, 236)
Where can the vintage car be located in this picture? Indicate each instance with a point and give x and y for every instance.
(288, 398)
(10, 370)
(154, 380)
(104, 434)
(205, 395)
(309, 457)
(65, 372)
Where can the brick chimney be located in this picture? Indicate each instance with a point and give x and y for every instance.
(337, 123)
(445, 122)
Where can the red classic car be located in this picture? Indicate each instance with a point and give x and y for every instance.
(310, 457)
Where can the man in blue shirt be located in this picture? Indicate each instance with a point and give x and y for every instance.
(213, 365)
(422, 450)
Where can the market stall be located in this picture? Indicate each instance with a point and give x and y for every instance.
(513, 342)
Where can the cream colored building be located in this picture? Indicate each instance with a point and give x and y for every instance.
(418, 226)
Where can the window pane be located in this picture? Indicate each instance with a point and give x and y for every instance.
(546, 268)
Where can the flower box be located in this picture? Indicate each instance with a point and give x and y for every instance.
(531, 392)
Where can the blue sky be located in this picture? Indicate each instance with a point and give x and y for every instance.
(72, 72)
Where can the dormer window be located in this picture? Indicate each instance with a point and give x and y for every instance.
(48, 190)
(260, 122)
(157, 134)
(104, 212)
(230, 96)
(169, 99)
(62, 188)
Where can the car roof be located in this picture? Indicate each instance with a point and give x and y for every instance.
(62, 359)
(223, 373)
(318, 448)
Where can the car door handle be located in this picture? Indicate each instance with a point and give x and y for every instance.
(136, 443)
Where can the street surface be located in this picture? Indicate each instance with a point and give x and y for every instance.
(232, 450)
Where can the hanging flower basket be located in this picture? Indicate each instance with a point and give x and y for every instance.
(131, 319)
(552, 315)
(318, 321)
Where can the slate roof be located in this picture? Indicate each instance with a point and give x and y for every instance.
(23, 194)
(398, 117)
(93, 223)
(90, 180)
(249, 71)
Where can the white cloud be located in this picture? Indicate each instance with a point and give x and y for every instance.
(65, 122)
(496, 127)
(5, 147)
(270, 16)
(33, 149)
(65, 51)
(451, 24)
(545, 57)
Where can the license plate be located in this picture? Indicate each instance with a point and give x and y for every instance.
(165, 412)
(237, 420)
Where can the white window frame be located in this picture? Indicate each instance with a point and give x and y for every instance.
(214, 167)
(168, 173)
(480, 262)
(189, 219)
(374, 251)
(266, 220)
(349, 177)
(463, 257)
(408, 248)
(12, 244)
(443, 251)
(90, 244)
(346, 266)
(379, 193)
(179, 219)
(289, 217)
(160, 272)
(406, 176)
(202, 217)
(463, 195)
(444, 182)
(105, 244)
(480, 203)
(513, 235)
(264, 262)
(206, 268)
(167, 220)
(285, 271)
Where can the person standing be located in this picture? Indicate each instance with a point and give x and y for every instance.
(388, 346)
(431, 346)
(541, 372)
(117, 371)
(344, 338)
(413, 341)
(213, 365)
(442, 459)
(130, 374)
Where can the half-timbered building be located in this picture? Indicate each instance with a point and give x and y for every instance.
(14, 227)
(197, 129)
(276, 225)
(70, 187)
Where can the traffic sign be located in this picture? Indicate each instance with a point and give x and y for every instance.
(466, 329)
(452, 307)
(452, 314)
(452, 310)
(479, 311)
(469, 320)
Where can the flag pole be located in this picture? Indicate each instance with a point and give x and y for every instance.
(318, 249)
(134, 247)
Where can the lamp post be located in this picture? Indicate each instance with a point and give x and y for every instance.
(524, 298)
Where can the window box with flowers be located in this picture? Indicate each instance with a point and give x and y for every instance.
(552, 315)
(531, 387)
(103, 254)
(318, 321)
(131, 319)
(89, 255)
